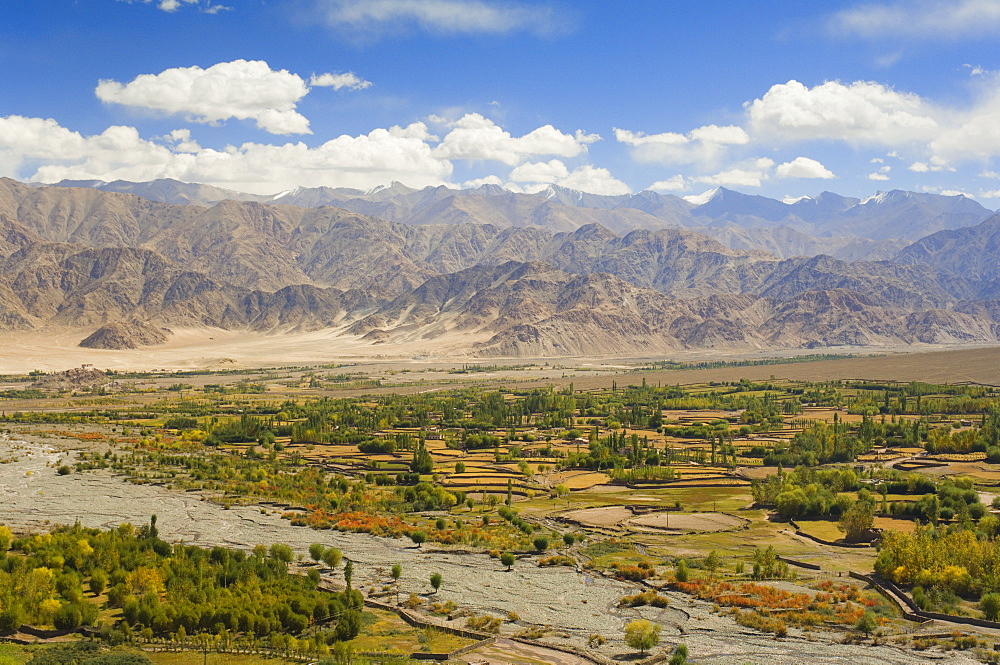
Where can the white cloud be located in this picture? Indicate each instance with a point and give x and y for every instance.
(860, 112)
(242, 89)
(989, 194)
(180, 141)
(702, 145)
(937, 20)
(364, 161)
(41, 150)
(677, 183)
(348, 80)
(443, 16)
(877, 175)
(594, 180)
(585, 178)
(174, 5)
(973, 133)
(549, 172)
(990, 174)
(479, 182)
(803, 167)
(751, 173)
(955, 192)
(476, 137)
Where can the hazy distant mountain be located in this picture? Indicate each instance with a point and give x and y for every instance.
(166, 190)
(786, 242)
(123, 269)
(972, 252)
(851, 229)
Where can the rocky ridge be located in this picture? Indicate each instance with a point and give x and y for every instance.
(124, 269)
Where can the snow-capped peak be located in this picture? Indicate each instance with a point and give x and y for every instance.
(789, 200)
(882, 197)
(287, 192)
(703, 198)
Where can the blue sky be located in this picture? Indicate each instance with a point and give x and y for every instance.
(784, 98)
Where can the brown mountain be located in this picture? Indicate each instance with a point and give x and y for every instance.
(130, 269)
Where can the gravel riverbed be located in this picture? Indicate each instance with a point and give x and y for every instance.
(33, 496)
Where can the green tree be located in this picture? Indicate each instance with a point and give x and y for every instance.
(281, 552)
(397, 572)
(508, 559)
(679, 656)
(348, 626)
(348, 573)
(681, 573)
(541, 543)
(712, 562)
(568, 539)
(642, 635)
(436, 580)
(459, 467)
(316, 551)
(866, 624)
(857, 520)
(418, 537)
(332, 557)
(990, 605)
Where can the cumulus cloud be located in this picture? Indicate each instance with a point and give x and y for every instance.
(878, 175)
(859, 112)
(935, 165)
(476, 137)
(702, 145)
(348, 80)
(442, 16)
(751, 173)
(242, 89)
(594, 180)
(938, 20)
(586, 178)
(803, 167)
(972, 133)
(479, 182)
(364, 161)
(677, 183)
(549, 172)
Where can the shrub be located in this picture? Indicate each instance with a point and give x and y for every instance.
(484, 623)
(650, 597)
(990, 605)
(762, 623)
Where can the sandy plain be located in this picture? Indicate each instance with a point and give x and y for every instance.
(208, 348)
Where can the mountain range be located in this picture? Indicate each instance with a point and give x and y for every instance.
(496, 273)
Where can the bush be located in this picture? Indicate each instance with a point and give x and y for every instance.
(541, 543)
(651, 598)
(762, 623)
(990, 605)
(484, 623)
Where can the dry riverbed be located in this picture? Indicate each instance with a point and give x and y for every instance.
(33, 497)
